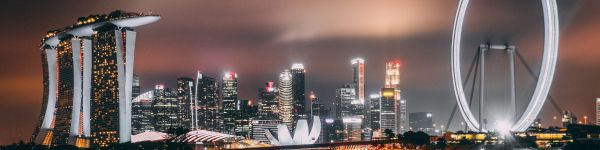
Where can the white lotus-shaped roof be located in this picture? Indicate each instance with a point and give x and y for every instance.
(301, 134)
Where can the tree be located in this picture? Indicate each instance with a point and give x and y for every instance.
(408, 137)
(441, 143)
(421, 138)
(388, 133)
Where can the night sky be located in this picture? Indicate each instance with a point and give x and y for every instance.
(259, 39)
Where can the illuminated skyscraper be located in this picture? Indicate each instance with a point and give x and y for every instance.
(422, 121)
(598, 111)
(88, 67)
(166, 109)
(267, 102)
(136, 88)
(208, 114)
(375, 108)
(392, 80)
(243, 120)
(230, 96)
(388, 109)
(268, 109)
(298, 90)
(185, 87)
(403, 127)
(316, 106)
(285, 98)
(349, 111)
(142, 113)
(343, 101)
(358, 71)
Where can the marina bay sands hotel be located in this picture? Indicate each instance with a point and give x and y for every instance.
(88, 74)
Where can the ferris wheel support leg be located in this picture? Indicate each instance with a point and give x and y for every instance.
(482, 49)
(513, 98)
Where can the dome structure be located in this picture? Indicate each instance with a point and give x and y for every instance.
(149, 136)
(203, 136)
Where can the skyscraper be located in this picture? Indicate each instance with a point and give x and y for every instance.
(142, 115)
(136, 88)
(230, 97)
(392, 80)
(285, 98)
(316, 108)
(88, 67)
(206, 101)
(598, 111)
(267, 102)
(349, 111)
(166, 109)
(345, 95)
(358, 78)
(421, 121)
(185, 87)
(375, 108)
(388, 109)
(298, 90)
(243, 121)
(402, 111)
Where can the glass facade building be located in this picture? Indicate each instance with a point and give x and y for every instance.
(298, 91)
(230, 96)
(185, 87)
(166, 109)
(388, 109)
(267, 102)
(142, 113)
(208, 114)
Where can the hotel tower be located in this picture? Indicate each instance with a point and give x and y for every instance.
(88, 77)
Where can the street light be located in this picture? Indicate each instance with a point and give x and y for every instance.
(585, 119)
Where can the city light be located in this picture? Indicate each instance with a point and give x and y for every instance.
(91, 96)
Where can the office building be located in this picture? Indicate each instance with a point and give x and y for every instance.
(348, 111)
(358, 78)
(333, 131)
(261, 127)
(344, 97)
(136, 88)
(392, 80)
(206, 101)
(185, 87)
(598, 111)
(388, 109)
(403, 127)
(316, 106)
(243, 121)
(375, 114)
(88, 67)
(142, 115)
(285, 98)
(298, 92)
(267, 102)
(421, 121)
(230, 96)
(166, 109)
(568, 118)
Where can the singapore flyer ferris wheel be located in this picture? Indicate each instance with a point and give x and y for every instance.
(544, 82)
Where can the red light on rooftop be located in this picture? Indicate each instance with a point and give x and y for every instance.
(269, 86)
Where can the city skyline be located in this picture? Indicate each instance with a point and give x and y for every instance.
(164, 58)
